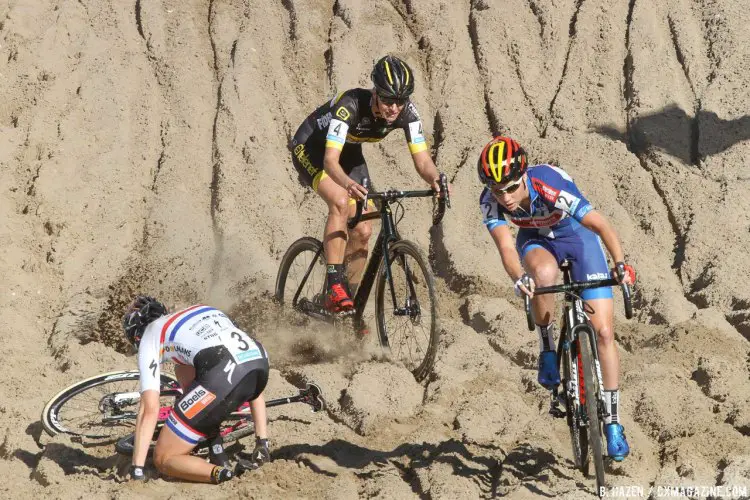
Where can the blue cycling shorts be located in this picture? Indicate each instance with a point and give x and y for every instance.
(582, 248)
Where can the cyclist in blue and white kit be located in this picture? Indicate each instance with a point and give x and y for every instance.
(219, 367)
(556, 222)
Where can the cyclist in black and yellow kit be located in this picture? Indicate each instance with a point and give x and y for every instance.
(327, 153)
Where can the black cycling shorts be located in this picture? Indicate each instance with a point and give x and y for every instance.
(307, 158)
(220, 386)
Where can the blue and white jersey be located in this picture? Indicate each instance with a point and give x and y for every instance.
(557, 205)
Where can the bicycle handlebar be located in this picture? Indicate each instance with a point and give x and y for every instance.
(393, 194)
(577, 286)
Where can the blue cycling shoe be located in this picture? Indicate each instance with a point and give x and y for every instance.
(549, 375)
(617, 445)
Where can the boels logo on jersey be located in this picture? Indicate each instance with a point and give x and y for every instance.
(196, 401)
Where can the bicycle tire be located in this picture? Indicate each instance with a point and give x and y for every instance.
(313, 285)
(425, 345)
(51, 414)
(592, 391)
(578, 439)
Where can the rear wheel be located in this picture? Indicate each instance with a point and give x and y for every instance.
(592, 392)
(410, 328)
(302, 274)
(101, 407)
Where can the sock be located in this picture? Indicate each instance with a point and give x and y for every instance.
(611, 404)
(221, 474)
(335, 274)
(546, 336)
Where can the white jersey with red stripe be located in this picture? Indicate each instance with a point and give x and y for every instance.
(180, 336)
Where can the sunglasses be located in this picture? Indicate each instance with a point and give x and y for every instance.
(510, 188)
(390, 101)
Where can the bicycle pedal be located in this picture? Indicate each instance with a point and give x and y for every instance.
(342, 314)
(555, 403)
(557, 412)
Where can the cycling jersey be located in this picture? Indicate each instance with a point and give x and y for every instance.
(557, 205)
(553, 223)
(344, 123)
(179, 337)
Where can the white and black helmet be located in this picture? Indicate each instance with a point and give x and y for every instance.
(142, 311)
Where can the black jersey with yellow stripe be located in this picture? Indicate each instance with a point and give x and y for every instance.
(348, 120)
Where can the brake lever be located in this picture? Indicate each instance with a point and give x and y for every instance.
(444, 189)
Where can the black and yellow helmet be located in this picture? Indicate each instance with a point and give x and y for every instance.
(502, 160)
(392, 78)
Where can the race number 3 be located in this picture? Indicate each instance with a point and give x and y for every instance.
(242, 348)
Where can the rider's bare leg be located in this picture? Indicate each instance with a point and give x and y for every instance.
(185, 375)
(542, 267)
(172, 457)
(602, 320)
(356, 250)
(335, 236)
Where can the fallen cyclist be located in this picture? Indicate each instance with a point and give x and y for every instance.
(218, 366)
(556, 223)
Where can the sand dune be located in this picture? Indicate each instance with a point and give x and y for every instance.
(143, 147)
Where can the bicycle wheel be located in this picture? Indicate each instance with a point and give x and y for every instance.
(579, 440)
(233, 429)
(408, 328)
(101, 407)
(591, 392)
(298, 262)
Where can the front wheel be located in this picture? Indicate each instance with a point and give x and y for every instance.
(406, 309)
(570, 380)
(101, 407)
(592, 391)
(302, 274)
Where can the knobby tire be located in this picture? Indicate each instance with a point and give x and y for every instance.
(306, 244)
(592, 403)
(423, 343)
(55, 422)
(578, 436)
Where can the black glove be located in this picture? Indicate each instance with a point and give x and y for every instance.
(137, 473)
(261, 454)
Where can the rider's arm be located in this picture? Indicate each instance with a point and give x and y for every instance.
(503, 239)
(426, 169)
(258, 409)
(601, 226)
(148, 414)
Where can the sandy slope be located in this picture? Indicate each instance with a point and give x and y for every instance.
(143, 147)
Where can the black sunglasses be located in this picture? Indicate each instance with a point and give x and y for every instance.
(390, 101)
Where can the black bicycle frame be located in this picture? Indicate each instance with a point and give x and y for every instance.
(388, 233)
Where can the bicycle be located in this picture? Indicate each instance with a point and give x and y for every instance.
(581, 376)
(113, 400)
(411, 292)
